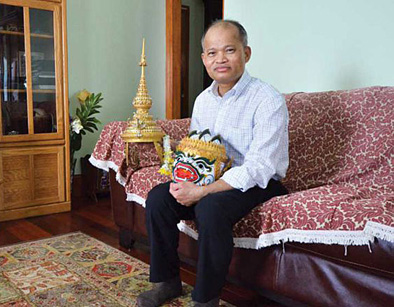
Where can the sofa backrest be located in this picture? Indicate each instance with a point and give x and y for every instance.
(177, 129)
(341, 136)
(335, 137)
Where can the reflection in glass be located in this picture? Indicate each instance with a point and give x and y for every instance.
(43, 71)
(11, 18)
(41, 22)
(12, 71)
(14, 112)
(44, 112)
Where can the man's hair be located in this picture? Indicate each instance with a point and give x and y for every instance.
(243, 35)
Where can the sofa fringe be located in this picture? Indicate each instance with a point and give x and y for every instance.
(134, 197)
(306, 236)
(106, 165)
(283, 247)
(187, 230)
(99, 163)
(294, 235)
(369, 247)
(380, 231)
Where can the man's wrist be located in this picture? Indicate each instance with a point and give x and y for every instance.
(217, 186)
(204, 191)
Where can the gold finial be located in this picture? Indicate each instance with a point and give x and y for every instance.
(143, 60)
(142, 102)
(142, 127)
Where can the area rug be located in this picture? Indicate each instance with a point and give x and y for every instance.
(73, 270)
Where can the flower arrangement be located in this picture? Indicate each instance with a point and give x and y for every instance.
(84, 121)
(168, 160)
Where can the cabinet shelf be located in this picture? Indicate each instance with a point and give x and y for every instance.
(24, 91)
(22, 34)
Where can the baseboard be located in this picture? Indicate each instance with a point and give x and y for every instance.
(19, 213)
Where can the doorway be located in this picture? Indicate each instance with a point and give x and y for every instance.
(182, 51)
(185, 52)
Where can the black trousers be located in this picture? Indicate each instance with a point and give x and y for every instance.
(215, 216)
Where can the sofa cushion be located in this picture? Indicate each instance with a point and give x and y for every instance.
(329, 214)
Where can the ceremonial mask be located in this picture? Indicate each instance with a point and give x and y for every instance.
(200, 158)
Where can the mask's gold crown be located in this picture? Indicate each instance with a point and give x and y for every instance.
(204, 149)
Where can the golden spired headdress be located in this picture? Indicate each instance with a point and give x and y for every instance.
(142, 127)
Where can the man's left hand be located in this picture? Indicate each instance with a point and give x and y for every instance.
(186, 193)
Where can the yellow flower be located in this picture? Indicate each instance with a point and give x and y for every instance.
(83, 95)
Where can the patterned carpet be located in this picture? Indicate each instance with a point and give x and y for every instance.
(73, 270)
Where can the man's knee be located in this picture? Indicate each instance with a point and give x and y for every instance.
(209, 212)
(157, 196)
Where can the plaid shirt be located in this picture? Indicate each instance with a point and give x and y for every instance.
(252, 120)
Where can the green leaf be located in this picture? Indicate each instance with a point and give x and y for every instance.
(92, 126)
(94, 112)
(95, 120)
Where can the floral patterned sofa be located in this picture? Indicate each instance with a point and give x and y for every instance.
(330, 242)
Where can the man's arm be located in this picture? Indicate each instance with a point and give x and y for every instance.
(267, 155)
(187, 193)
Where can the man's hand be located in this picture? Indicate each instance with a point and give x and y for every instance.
(187, 193)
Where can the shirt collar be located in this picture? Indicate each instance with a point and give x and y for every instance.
(237, 88)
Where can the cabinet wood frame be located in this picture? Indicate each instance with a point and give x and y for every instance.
(41, 143)
(60, 57)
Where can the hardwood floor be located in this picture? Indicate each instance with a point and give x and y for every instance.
(95, 219)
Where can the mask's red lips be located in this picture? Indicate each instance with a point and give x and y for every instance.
(184, 172)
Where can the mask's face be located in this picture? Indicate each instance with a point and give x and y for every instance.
(193, 168)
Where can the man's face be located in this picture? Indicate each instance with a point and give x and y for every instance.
(224, 55)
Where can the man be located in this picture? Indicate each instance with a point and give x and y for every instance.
(251, 117)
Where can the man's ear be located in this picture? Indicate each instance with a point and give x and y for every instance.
(203, 58)
(248, 53)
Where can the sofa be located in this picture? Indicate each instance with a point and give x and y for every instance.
(330, 241)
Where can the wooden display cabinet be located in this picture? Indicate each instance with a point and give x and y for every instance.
(34, 138)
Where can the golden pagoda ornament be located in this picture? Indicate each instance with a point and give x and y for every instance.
(142, 128)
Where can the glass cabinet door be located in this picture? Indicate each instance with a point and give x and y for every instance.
(13, 95)
(43, 71)
(27, 72)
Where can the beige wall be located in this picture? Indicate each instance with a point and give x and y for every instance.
(104, 44)
(315, 45)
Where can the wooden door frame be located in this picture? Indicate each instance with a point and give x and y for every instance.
(173, 59)
(185, 46)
